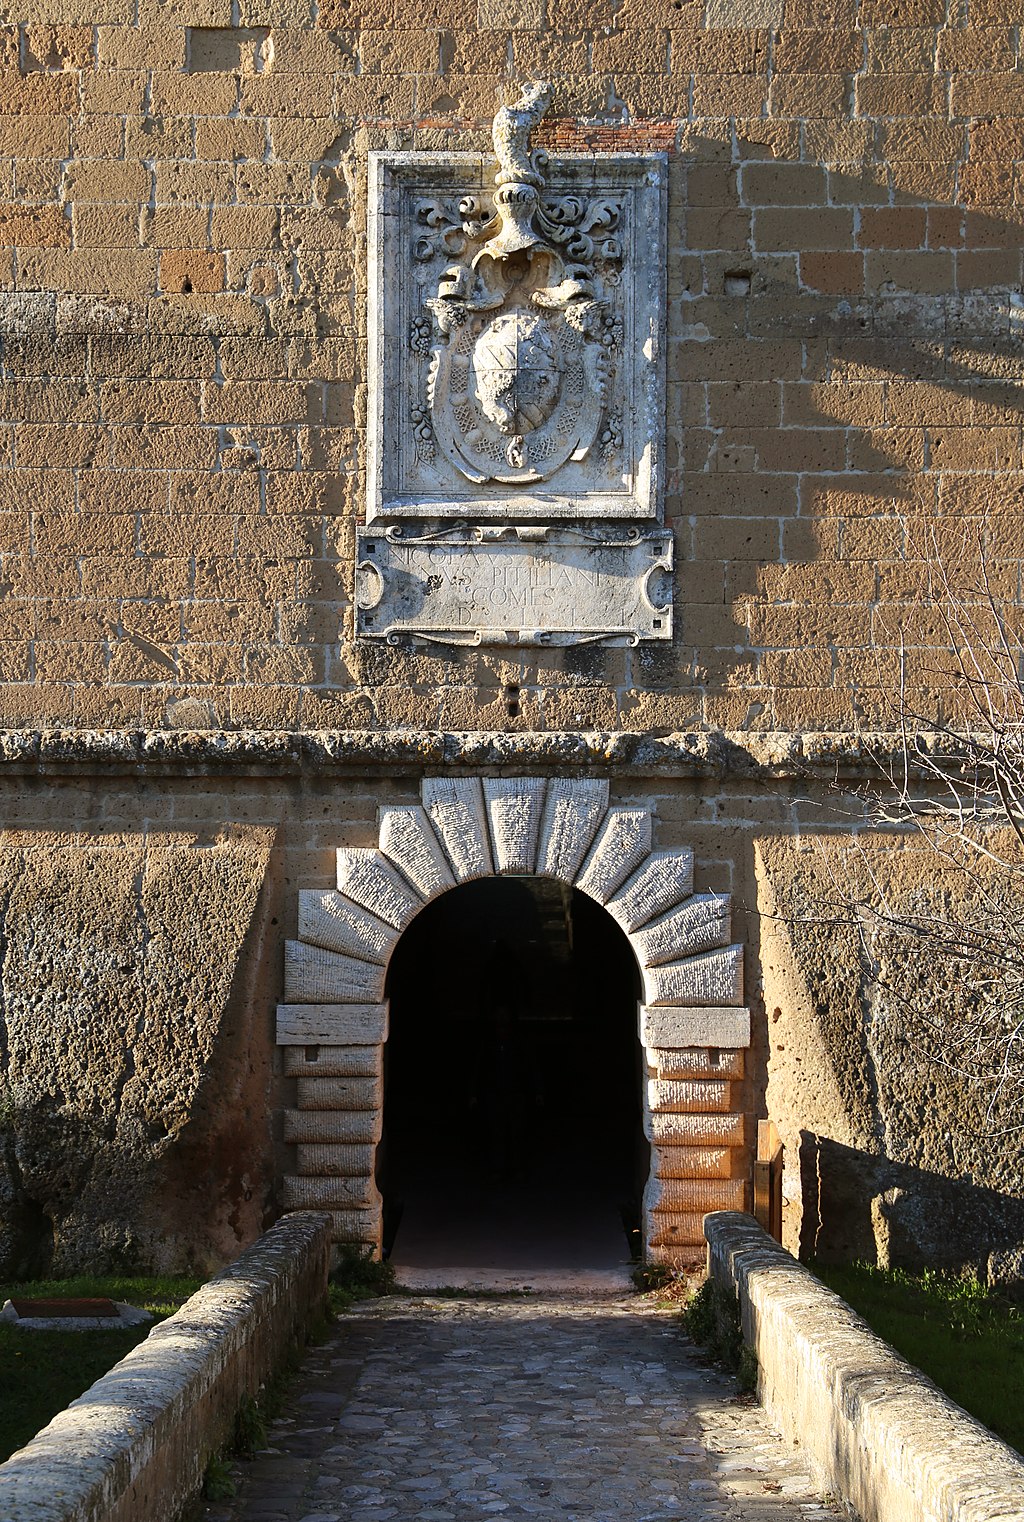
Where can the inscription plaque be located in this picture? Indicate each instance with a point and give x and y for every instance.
(515, 396)
(501, 585)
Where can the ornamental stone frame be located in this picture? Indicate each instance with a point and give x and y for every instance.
(692, 1023)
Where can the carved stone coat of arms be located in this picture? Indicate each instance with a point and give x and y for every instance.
(516, 377)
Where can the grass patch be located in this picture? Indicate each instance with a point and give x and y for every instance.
(358, 1275)
(965, 1337)
(712, 1318)
(42, 1372)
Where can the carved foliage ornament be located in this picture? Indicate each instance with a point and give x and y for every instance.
(525, 326)
(530, 315)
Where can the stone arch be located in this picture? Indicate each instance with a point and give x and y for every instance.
(692, 1023)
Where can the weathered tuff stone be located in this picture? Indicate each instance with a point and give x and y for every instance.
(123, 1012)
(714, 977)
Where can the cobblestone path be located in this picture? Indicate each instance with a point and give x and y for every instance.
(434, 1410)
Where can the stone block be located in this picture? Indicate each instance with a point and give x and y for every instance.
(344, 1094)
(335, 923)
(694, 1130)
(360, 1226)
(695, 1062)
(675, 1196)
(621, 845)
(455, 806)
(369, 879)
(514, 806)
(339, 1161)
(573, 810)
(333, 1127)
(713, 978)
(332, 1025)
(676, 1028)
(314, 976)
(679, 1094)
(701, 923)
(407, 839)
(662, 882)
(682, 1232)
(311, 1060)
(323, 1193)
(685, 1162)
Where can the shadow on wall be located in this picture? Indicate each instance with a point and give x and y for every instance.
(858, 1206)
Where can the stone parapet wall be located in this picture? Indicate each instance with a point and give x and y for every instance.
(880, 1435)
(135, 1446)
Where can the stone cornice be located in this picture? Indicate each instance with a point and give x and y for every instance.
(256, 753)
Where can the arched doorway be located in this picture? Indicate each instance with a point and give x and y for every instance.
(694, 1027)
(513, 1072)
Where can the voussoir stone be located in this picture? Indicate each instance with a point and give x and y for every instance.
(334, 922)
(368, 878)
(455, 806)
(314, 976)
(573, 810)
(407, 839)
(702, 922)
(664, 880)
(713, 977)
(622, 842)
(514, 807)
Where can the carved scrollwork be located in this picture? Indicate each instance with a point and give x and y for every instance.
(525, 325)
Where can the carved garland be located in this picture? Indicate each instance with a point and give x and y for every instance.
(692, 1022)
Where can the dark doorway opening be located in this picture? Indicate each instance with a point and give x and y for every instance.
(513, 1130)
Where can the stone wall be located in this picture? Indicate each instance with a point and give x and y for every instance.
(136, 1444)
(878, 1435)
(106, 1166)
(182, 314)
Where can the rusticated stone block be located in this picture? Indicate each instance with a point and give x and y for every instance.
(455, 806)
(322, 1193)
(677, 1195)
(335, 923)
(315, 1061)
(714, 977)
(694, 1130)
(360, 1226)
(339, 1161)
(689, 1162)
(621, 845)
(709, 1026)
(514, 807)
(695, 1062)
(333, 1127)
(573, 811)
(313, 976)
(369, 879)
(662, 882)
(340, 1093)
(687, 1094)
(702, 922)
(407, 839)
